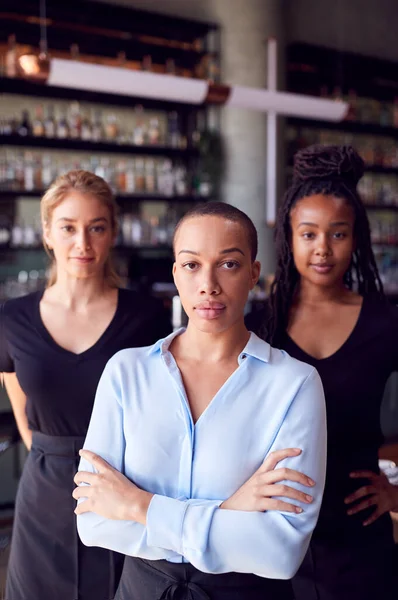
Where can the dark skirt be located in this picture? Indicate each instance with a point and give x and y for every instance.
(348, 571)
(47, 559)
(163, 580)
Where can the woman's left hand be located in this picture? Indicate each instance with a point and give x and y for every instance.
(379, 493)
(109, 493)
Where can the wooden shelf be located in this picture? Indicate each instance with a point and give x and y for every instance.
(88, 146)
(346, 126)
(29, 88)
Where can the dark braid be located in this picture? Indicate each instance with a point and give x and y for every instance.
(332, 171)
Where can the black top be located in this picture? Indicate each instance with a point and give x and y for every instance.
(354, 379)
(60, 386)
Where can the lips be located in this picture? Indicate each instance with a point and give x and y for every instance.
(322, 268)
(209, 309)
(83, 259)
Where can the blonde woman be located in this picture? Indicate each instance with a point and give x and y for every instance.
(54, 346)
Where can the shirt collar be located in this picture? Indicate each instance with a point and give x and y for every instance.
(255, 347)
(163, 344)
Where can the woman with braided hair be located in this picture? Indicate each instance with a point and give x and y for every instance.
(327, 308)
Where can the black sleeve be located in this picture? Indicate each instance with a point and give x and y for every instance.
(6, 362)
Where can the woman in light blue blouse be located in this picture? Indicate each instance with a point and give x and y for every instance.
(178, 470)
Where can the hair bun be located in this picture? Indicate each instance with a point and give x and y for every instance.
(328, 162)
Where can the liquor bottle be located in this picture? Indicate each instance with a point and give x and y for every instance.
(121, 176)
(29, 172)
(139, 131)
(47, 171)
(11, 57)
(62, 127)
(150, 180)
(173, 132)
(37, 175)
(49, 122)
(86, 128)
(75, 121)
(146, 64)
(130, 178)
(24, 128)
(139, 175)
(154, 131)
(97, 131)
(111, 128)
(38, 124)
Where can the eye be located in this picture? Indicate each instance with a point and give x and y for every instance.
(229, 265)
(308, 235)
(339, 235)
(97, 229)
(190, 266)
(67, 228)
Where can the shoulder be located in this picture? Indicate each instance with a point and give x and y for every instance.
(283, 366)
(127, 361)
(19, 308)
(292, 367)
(381, 315)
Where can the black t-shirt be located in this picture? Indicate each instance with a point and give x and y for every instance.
(60, 386)
(354, 379)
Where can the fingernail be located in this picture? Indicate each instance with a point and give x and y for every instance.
(298, 509)
(308, 498)
(80, 452)
(349, 512)
(311, 481)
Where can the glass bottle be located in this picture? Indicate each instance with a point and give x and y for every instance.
(24, 128)
(38, 124)
(49, 122)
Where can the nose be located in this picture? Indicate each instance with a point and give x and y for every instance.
(323, 247)
(209, 285)
(83, 240)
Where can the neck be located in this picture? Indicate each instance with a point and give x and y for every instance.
(309, 293)
(213, 347)
(77, 293)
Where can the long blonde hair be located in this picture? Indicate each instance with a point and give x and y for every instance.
(85, 183)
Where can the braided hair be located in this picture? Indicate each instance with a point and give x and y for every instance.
(331, 171)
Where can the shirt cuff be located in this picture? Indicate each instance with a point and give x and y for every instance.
(164, 523)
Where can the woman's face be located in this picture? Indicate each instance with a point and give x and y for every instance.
(322, 239)
(213, 271)
(80, 234)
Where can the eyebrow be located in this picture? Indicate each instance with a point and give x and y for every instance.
(74, 220)
(334, 224)
(226, 251)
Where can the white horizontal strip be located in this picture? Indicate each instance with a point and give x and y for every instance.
(116, 80)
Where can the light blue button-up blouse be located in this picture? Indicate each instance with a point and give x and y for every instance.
(142, 425)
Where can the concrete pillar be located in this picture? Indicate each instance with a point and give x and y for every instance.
(245, 28)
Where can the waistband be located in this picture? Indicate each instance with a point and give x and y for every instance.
(66, 446)
(176, 578)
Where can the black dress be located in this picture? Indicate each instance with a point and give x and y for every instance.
(347, 561)
(47, 559)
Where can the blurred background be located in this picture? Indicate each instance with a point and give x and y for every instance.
(161, 155)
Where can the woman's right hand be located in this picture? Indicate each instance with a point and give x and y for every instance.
(258, 493)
